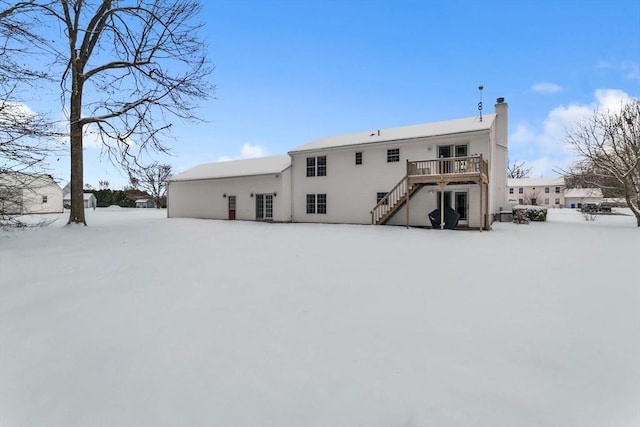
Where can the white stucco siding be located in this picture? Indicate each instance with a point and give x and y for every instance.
(209, 198)
(352, 189)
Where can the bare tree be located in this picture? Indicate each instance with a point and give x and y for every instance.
(518, 170)
(532, 197)
(129, 67)
(153, 180)
(26, 138)
(608, 149)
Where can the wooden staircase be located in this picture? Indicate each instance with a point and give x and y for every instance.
(393, 201)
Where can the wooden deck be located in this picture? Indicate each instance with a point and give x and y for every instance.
(440, 172)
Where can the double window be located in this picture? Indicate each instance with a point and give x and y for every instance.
(317, 166)
(393, 155)
(316, 203)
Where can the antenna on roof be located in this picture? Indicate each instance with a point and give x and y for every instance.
(480, 103)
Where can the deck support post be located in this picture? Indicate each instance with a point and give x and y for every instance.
(407, 199)
(481, 205)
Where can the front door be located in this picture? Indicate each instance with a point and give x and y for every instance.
(232, 207)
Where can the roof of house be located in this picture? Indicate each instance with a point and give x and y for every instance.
(583, 192)
(448, 127)
(233, 168)
(535, 182)
(143, 200)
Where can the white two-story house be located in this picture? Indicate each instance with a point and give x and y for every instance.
(387, 176)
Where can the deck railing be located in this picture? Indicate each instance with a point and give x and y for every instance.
(448, 166)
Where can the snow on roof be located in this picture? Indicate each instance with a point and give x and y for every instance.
(583, 192)
(231, 168)
(469, 124)
(535, 182)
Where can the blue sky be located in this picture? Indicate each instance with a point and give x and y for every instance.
(288, 72)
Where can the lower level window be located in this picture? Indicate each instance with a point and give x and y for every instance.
(316, 203)
(557, 201)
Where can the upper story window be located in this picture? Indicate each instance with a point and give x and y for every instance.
(393, 155)
(511, 191)
(546, 190)
(44, 199)
(359, 158)
(558, 190)
(520, 190)
(317, 166)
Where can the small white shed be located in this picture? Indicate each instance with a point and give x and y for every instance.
(90, 200)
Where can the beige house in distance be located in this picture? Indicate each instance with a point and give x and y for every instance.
(24, 194)
(548, 192)
(391, 176)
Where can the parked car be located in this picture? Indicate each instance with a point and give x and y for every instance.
(589, 207)
(604, 207)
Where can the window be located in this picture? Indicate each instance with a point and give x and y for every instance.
(44, 199)
(520, 190)
(321, 203)
(393, 155)
(546, 190)
(511, 191)
(316, 203)
(317, 166)
(311, 203)
(521, 201)
(311, 166)
(557, 192)
(546, 202)
(359, 158)
(380, 196)
(557, 200)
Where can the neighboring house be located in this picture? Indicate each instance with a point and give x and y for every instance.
(22, 194)
(145, 203)
(90, 200)
(576, 197)
(388, 176)
(548, 192)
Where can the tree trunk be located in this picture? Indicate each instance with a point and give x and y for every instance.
(77, 172)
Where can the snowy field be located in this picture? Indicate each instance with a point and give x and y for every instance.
(139, 320)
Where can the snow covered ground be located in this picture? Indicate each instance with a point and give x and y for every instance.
(139, 320)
